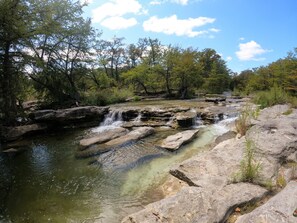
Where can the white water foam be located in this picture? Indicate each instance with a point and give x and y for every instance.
(112, 120)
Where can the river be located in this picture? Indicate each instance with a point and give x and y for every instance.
(46, 183)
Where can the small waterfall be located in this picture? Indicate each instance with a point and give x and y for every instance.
(198, 122)
(138, 118)
(111, 120)
(114, 117)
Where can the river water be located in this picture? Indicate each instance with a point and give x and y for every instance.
(46, 183)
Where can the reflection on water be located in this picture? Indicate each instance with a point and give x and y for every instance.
(47, 184)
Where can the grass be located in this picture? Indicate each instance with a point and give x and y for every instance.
(288, 112)
(249, 167)
(243, 122)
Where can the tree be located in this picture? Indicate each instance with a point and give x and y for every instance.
(187, 72)
(111, 55)
(47, 41)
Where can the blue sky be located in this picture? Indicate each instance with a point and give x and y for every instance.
(246, 33)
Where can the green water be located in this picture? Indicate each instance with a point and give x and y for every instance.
(46, 183)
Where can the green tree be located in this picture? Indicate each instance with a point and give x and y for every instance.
(187, 72)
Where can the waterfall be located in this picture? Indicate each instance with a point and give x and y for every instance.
(114, 117)
(199, 122)
(138, 118)
(111, 120)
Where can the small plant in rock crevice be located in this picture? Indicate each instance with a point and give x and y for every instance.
(249, 167)
(243, 122)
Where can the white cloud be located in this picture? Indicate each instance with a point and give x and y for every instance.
(180, 27)
(159, 2)
(117, 22)
(116, 8)
(229, 58)
(155, 2)
(181, 2)
(214, 30)
(250, 51)
(241, 38)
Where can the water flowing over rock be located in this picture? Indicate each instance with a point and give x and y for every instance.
(279, 208)
(174, 142)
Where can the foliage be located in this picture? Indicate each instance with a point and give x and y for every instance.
(288, 112)
(106, 96)
(281, 181)
(275, 95)
(249, 167)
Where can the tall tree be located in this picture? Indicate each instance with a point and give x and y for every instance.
(46, 40)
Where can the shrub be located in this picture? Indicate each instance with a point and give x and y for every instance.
(107, 96)
(275, 95)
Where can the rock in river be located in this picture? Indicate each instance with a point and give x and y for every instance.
(98, 149)
(174, 142)
(134, 135)
(103, 137)
(186, 119)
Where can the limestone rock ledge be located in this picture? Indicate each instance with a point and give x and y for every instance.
(211, 195)
(279, 208)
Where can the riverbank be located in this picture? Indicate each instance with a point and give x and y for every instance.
(211, 191)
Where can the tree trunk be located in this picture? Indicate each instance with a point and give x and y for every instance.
(8, 88)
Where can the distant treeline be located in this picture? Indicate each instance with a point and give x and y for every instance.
(48, 51)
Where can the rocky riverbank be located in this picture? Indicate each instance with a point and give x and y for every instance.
(210, 192)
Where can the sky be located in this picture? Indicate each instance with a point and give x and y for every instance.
(246, 33)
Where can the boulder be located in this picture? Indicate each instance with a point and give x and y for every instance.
(186, 119)
(14, 133)
(103, 137)
(275, 138)
(196, 204)
(174, 142)
(279, 208)
(134, 135)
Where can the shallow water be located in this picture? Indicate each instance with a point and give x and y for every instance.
(46, 183)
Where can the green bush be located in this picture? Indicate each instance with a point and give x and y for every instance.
(107, 96)
(275, 95)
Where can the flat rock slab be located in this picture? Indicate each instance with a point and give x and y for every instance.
(70, 114)
(195, 204)
(134, 135)
(214, 168)
(128, 156)
(279, 208)
(174, 142)
(103, 137)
